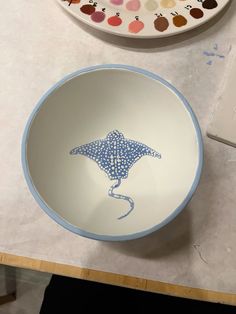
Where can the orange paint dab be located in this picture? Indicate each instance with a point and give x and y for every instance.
(73, 1)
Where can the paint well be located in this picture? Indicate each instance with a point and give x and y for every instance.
(87, 9)
(117, 2)
(136, 26)
(73, 1)
(151, 5)
(196, 13)
(133, 5)
(161, 24)
(114, 20)
(209, 4)
(98, 16)
(168, 4)
(179, 20)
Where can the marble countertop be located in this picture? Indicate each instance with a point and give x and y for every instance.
(39, 45)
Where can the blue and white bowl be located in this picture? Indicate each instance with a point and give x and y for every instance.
(112, 152)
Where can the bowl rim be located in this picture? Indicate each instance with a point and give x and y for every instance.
(63, 222)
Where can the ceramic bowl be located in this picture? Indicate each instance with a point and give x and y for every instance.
(112, 152)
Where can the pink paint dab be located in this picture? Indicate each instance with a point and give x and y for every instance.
(133, 5)
(117, 2)
(98, 16)
(136, 26)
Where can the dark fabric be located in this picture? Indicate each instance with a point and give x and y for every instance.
(69, 295)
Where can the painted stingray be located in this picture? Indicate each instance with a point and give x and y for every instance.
(116, 155)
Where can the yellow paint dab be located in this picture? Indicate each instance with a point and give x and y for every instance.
(168, 3)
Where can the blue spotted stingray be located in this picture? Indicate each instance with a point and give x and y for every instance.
(116, 155)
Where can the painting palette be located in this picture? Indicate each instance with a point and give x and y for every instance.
(112, 152)
(144, 18)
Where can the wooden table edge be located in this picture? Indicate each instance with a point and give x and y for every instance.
(117, 279)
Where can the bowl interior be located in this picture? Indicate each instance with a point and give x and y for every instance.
(88, 107)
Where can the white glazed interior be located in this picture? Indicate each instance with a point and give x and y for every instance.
(87, 108)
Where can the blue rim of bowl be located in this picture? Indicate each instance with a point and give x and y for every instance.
(64, 223)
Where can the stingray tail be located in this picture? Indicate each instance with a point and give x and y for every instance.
(121, 197)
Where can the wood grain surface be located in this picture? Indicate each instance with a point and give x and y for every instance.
(117, 279)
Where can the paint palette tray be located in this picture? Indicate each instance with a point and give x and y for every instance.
(107, 164)
(143, 18)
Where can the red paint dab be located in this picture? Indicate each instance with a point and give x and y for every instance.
(114, 20)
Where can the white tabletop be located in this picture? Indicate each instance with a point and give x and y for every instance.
(39, 45)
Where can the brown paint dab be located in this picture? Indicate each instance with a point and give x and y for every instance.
(179, 20)
(161, 24)
(87, 9)
(209, 4)
(196, 13)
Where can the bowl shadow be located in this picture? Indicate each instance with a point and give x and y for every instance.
(173, 237)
